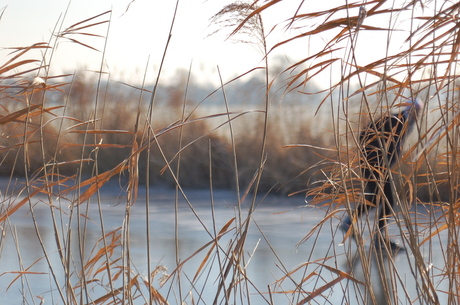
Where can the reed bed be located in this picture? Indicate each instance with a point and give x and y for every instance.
(66, 138)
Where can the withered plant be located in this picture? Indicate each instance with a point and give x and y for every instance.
(66, 139)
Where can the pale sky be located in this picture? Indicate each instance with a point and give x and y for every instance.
(134, 36)
(143, 30)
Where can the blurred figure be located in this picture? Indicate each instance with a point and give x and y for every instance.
(380, 144)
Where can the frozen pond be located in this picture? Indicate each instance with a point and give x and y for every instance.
(272, 248)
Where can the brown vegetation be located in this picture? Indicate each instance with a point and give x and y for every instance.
(69, 146)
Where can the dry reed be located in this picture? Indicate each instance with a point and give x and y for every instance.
(68, 147)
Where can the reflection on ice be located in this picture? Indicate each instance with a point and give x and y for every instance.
(279, 257)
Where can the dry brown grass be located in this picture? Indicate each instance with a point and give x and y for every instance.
(67, 149)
